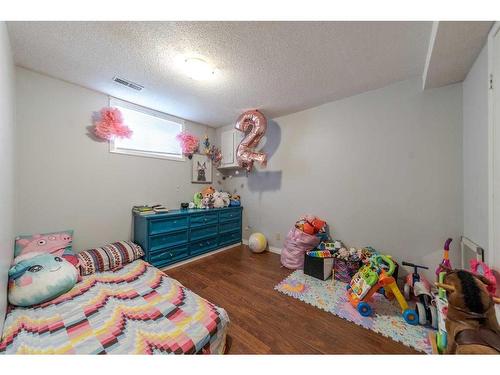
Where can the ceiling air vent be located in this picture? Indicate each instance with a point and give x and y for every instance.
(128, 83)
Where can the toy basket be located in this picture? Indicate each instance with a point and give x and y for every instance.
(320, 268)
(344, 270)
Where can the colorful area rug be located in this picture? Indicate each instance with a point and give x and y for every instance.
(331, 296)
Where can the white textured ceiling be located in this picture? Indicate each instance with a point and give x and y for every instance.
(455, 47)
(279, 67)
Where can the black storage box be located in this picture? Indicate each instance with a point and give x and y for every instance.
(320, 268)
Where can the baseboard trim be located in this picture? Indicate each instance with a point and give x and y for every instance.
(200, 257)
(275, 250)
(272, 249)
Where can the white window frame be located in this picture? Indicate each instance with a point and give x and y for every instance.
(113, 148)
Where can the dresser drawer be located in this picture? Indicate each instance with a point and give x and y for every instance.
(183, 234)
(203, 246)
(204, 219)
(169, 255)
(230, 226)
(168, 224)
(202, 232)
(166, 240)
(229, 238)
(229, 215)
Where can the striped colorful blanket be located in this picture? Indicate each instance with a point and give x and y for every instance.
(136, 309)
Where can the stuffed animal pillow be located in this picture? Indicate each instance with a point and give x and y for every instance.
(38, 278)
(57, 243)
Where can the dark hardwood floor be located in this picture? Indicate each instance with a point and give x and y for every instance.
(266, 321)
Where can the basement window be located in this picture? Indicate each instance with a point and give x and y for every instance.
(153, 132)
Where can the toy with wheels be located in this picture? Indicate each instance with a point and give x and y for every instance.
(445, 263)
(480, 268)
(442, 311)
(372, 277)
(420, 288)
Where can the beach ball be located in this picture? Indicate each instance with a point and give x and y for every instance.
(257, 242)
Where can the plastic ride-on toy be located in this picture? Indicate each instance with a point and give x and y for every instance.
(372, 277)
(421, 289)
(442, 310)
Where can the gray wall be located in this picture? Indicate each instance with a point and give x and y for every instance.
(67, 180)
(384, 168)
(6, 165)
(475, 151)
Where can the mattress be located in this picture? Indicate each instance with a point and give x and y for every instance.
(136, 309)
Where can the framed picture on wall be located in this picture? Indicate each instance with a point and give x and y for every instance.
(202, 169)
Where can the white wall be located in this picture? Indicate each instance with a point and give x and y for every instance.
(67, 180)
(384, 168)
(6, 164)
(475, 151)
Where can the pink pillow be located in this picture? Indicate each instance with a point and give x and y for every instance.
(55, 243)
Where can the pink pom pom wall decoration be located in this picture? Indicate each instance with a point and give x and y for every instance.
(189, 143)
(111, 125)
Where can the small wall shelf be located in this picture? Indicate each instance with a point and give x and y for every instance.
(230, 139)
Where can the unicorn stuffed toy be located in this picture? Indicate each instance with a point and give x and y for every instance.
(38, 278)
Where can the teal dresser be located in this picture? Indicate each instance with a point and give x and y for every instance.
(182, 234)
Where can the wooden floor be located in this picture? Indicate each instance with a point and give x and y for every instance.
(266, 321)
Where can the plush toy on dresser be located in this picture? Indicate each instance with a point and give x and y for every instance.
(207, 201)
(221, 199)
(235, 200)
(225, 198)
(209, 190)
(218, 201)
(196, 203)
(211, 198)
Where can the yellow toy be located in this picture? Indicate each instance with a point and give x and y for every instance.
(372, 277)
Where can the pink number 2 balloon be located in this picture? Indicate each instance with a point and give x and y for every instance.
(254, 124)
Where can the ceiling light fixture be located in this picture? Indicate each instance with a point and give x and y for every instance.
(198, 69)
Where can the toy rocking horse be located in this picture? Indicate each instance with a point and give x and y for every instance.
(471, 322)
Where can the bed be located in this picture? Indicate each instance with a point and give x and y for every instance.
(136, 309)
